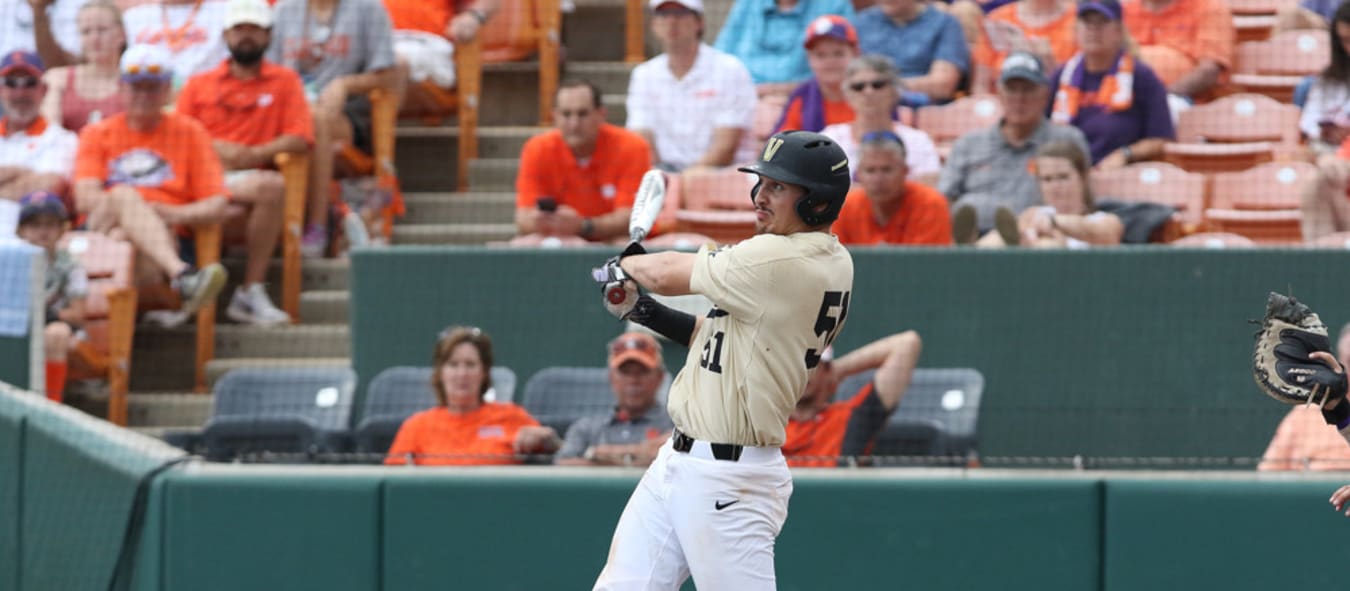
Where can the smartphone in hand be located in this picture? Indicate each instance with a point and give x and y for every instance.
(548, 204)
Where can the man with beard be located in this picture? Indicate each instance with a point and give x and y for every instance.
(35, 154)
(254, 110)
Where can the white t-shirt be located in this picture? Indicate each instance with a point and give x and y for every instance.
(16, 25)
(192, 36)
(920, 153)
(44, 148)
(682, 114)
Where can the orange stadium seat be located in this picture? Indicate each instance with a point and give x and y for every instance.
(1253, 27)
(1215, 240)
(1157, 182)
(1275, 67)
(110, 315)
(1262, 203)
(1235, 132)
(946, 123)
(716, 203)
(1337, 240)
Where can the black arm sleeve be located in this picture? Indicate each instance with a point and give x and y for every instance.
(670, 323)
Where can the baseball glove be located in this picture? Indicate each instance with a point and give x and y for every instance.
(1289, 334)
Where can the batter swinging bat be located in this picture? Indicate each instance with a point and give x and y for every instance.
(651, 196)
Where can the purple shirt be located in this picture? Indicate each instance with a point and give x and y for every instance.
(1106, 131)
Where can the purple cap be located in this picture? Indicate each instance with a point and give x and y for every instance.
(40, 203)
(1108, 8)
(22, 61)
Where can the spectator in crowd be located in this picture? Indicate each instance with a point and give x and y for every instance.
(42, 222)
(342, 50)
(1105, 91)
(188, 30)
(1067, 216)
(831, 43)
(580, 178)
(693, 104)
(822, 433)
(988, 168)
(884, 206)
(1326, 113)
(639, 425)
(871, 86)
(1189, 43)
(463, 429)
(1305, 15)
(35, 154)
(766, 36)
(425, 32)
(87, 91)
(926, 45)
(254, 110)
(1043, 28)
(46, 27)
(143, 174)
(1304, 440)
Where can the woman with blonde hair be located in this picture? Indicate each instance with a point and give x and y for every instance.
(89, 91)
(1068, 216)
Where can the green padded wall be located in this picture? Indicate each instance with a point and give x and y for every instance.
(1139, 352)
(278, 528)
(13, 414)
(14, 357)
(1223, 535)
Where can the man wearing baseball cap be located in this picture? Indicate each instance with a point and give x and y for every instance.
(149, 175)
(38, 154)
(987, 168)
(254, 111)
(42, 221)
(635, 431)
(693, 104)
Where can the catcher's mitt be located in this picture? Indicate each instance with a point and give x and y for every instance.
(1290, 333)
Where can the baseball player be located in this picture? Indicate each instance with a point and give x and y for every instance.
(716, 496)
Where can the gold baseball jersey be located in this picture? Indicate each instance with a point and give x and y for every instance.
(778, 301)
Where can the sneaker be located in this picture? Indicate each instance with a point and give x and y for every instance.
(964, 229)
(196, 288)
(166, 318)
(314, 242)
(252, 306)
(1005, 222)
(354, 228)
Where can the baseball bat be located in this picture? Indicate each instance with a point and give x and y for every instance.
(647, 204)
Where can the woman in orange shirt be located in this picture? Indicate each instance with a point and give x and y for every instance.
(463, 429)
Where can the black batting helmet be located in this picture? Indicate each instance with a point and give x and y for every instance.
(811, 161)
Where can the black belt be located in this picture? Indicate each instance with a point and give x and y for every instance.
(722, 451)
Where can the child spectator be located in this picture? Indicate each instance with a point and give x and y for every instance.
(42, 222)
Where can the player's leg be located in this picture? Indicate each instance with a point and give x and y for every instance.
(727, 516)
(645, 553)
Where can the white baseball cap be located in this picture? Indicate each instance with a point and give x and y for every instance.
(144, 62)
(694, 5)
(248, 12)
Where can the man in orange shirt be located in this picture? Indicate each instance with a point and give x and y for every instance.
(580, 179)
(254, 110)
(885, 207)
(820, 432)
(1189, 43)
(139, 172)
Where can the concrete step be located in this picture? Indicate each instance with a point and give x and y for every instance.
(493, 174)
(596, 31)
(325, 307)
(616, 108)
(473, 208)
(493, 142)
(611, 77)
(452, 233)
(219, 367)
(323, 274)
(303, 341)
(146, 409)
(510, 94)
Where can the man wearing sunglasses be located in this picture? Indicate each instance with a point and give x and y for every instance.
(635, 431)
(35, 155)
(714, 499)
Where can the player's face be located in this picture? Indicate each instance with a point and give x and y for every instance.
(577, 117)
(829, 59)
(635, 385)
(43, 232)
(1061, 185)
(101, 34)
(462, 377)
(776, 207)
(881, 172)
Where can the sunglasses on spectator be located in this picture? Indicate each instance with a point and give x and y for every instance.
(21, 82)
(875, 84)
(630, 343)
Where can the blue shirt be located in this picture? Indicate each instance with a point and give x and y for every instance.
(914, 46)
(1107, 131)
(769, 42)
(1326, 8)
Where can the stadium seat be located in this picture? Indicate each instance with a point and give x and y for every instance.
(1275, 67)
(206, 240)
(716, 203)
(937, 416)
(1262, 203)
(1253, 27)
(295, 410)
(1337, 240)
(399, 392)
(558, 396)
(1214, 240)
(946, 123)
(110, 315)
(295, 170)
(1234, 133)
(1157, 182)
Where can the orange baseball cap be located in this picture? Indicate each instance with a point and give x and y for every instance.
(635, 346)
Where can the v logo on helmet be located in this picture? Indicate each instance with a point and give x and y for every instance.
(771, 148)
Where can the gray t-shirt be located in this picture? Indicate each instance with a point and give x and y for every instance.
(986, 172)
(359, 39)
(610, 429)
(66, 282)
